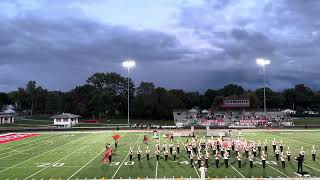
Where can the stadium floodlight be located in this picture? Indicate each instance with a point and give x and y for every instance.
(129, 63)
(263, 62)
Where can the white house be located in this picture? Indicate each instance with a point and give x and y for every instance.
(6, 118)
(66, 120)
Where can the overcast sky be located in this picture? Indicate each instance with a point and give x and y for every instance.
(191, 45)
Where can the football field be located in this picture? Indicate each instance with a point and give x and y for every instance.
(78, 155)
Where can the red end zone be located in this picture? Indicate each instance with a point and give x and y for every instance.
(14, 137)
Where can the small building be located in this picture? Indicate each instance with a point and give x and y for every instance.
(66, 120)
(236, 103)
(6, 118)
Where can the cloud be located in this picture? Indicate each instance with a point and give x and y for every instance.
(204, 45)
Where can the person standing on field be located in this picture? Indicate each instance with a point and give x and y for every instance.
(313, 152)
(226, 159)
(147, 153)
(217, 157)
(239, 159)
(263, 158)
(283, 161)
(288, 154)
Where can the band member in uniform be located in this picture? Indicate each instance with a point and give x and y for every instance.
(254, 151)
(174, 153)
(139, 153)
(233, 145)
(214, 148)
(130, 153)
(274, 144)
(194, 147)
(202, 170)
(263, 158)
(178, 147)
(191, 158)
(226, 159)
(237, 148)
(277, 152)
(251, 157)
(239, 159)
(164, 146)
(313, 152)
(301, 153)
(110, 157)
(199, 158)
(281, 146)
(158, 146)
(229, 149)
(283, 160)
(171, 147)
(288, 154)
(266, 146)
(107, 154)
(206, 159)
(246, 150)
(222, 151)
(217, 157)
(259, 146)
(148, 153)
(157, 152)
(300, 162)
(166, 154)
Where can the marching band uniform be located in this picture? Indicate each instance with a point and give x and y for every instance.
(216, 157)
(266, 146)
(246, 150)
(139, 153)
(251, 157)
(281, 146)
(206, 158)
(263, 158)
(288, 154)
(174, 153)
(191, 159)
(199, 157)
(313, 153)
(277, 152)
(301, 154)
(274, 144)
(130, 153)
(178, 148)
(254, 151)
(166, 153)
(157, 154)
(283, 161)
(148, 153)
(226, 159)
(171, 147)
(239, 159)
(259, 146)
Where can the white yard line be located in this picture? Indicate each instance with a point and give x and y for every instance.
(56, 161)
(192, 164)
(40, 155)
(33, 147)
(311, 167)
(9, 147)
(237, 171)
(86, 164)
(156, 175)
(125, 158)
(274, 168)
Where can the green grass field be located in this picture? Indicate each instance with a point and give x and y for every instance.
(77, 155)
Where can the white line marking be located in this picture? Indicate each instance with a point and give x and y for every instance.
(86, 164)
(237, 171)
(278, 171)
(39, 155)
(125, 158)
(192, 164)
(9, 147)
(33, 147)
(58, 160)
(311, 167)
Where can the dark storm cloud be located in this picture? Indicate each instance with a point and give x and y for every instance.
(72, 49)
(287, 32)
(60, 47)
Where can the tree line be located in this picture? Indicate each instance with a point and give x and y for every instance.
(105, 94)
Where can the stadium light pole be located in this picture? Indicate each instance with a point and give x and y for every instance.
(263, 63)
(129, 63)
